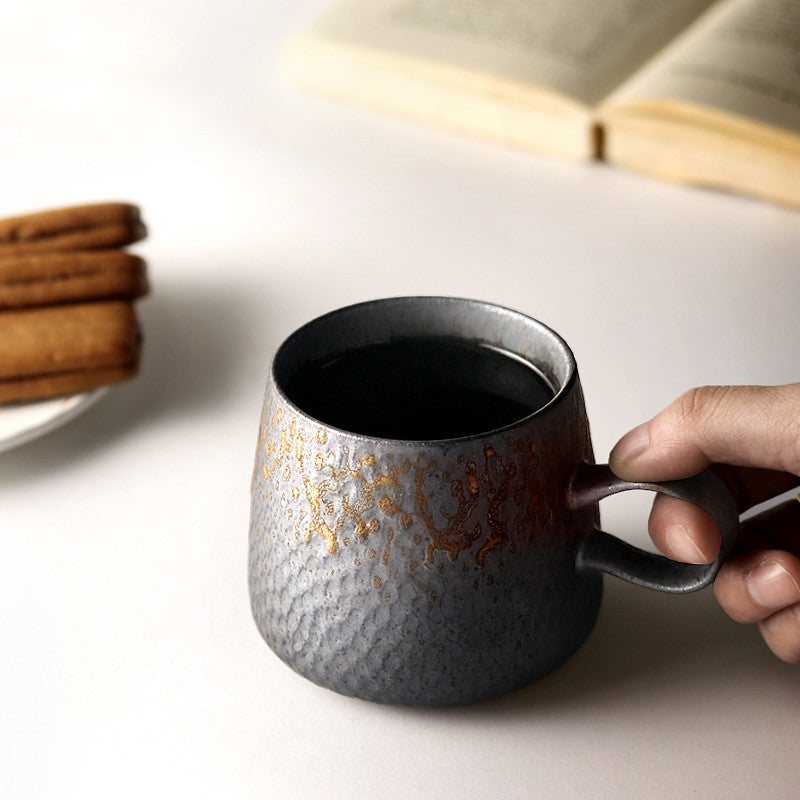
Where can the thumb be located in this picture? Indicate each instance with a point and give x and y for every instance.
(746, 426)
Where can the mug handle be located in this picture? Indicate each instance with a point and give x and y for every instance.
(603, 552)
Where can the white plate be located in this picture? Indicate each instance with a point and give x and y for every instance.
(21, 422)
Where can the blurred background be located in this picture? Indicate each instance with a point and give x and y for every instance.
(131, 665)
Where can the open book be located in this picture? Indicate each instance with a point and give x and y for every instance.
(696, 91)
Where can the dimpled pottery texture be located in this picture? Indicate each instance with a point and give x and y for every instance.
(420, 574)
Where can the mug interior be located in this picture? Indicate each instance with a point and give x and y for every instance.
(392, 319)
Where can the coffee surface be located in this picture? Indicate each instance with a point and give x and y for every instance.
(419, 389)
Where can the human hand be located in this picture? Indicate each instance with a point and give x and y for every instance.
(749, 436)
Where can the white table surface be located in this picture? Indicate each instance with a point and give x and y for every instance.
(130, 665)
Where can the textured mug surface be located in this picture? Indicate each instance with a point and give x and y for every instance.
(422, 573)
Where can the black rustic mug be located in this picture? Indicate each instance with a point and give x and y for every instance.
(424, 520)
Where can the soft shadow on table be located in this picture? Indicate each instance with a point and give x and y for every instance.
(645, 644)
(197, 352)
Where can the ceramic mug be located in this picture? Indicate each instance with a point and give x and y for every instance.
(446, 570)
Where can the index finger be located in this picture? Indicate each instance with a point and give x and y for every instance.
(744, 426)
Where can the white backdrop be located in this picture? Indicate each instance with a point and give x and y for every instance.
(130, 664)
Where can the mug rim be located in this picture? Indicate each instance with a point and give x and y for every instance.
(559, 392)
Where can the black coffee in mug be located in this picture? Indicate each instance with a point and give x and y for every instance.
(419, 388)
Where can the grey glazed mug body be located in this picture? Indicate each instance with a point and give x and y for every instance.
(426, 573)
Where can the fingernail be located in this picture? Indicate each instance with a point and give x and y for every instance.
(681, 545)
(771, 586)
(632, 444)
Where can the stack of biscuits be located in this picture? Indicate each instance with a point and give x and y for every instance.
(67, 288)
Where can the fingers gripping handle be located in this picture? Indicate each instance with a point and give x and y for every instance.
(603, 552)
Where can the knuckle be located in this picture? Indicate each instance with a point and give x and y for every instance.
(737, 609)
(787, 428)
(781, 632)
(689, 416)
(696, 405)
(730, 590)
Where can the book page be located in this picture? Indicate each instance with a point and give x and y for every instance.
(582, 49)
(742, 57)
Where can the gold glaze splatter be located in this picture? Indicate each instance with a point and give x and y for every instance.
(454, 536)
(313, 494)
(388, 506)
(386, 550)
(328, 536)
(502, 487)
(498, 528)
